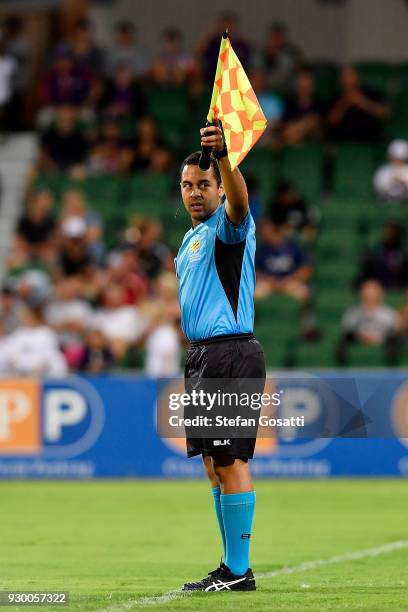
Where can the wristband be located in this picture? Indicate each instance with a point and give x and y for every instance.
(221, 154)
(224, 151)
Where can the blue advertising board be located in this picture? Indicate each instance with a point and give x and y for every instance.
(105, 427)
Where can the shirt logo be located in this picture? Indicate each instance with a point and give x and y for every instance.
(195, 253)
(195, 246)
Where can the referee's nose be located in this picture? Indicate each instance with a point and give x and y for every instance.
(196, 193)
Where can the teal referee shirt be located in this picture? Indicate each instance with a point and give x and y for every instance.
(216, 270)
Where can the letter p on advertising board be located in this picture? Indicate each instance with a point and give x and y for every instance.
(20, 416)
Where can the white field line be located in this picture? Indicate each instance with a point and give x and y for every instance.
(354, 556)
(302, 567)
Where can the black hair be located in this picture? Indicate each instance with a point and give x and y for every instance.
(194, 158)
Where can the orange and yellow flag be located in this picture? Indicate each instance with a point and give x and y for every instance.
(234, 103)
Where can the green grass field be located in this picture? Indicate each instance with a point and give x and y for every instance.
(112, 543)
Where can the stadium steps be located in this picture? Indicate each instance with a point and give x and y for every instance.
(277, 327)
(327, 78)
(380, 76)
(355, 164)
(119, 199)
(336, 273)
(170, 108)
(319, 354)
(302, 166)
(362, 356)
(331, 305)
(17, 154)
(351, 221)
(263, 165)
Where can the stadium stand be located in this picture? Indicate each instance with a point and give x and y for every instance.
(335, 178)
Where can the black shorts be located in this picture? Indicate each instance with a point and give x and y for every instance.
(228, 357)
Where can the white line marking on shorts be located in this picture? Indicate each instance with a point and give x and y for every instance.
(302, 567)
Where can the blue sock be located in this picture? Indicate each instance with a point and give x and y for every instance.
(216, 495)
(238, 513)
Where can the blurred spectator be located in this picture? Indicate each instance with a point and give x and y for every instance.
(163, 351)
(370, 322)
(74, 204)
(84, 51)
(36, 227)
(10, 309)
(208, 47)
(278, 58)
(9, 70)
(32, 349)
(33, 286)
(69, 315)
(391, 180)
(303, 112)
(271, 104)
(150, 152)
(173, 65)
(67, 83)
(18, 46)
(97, 358)
(74, 257)
(124, 269)
(128, 51)
(358, 113)
(63, 146)
(254, 197)
(282, 266)
(387, 262)
(123, 97)
(122, 324)
(110, 154)
(153, 254)
(289, 209)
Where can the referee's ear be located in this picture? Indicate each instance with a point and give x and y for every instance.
(221, 192)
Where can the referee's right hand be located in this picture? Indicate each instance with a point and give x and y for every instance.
(212, 136)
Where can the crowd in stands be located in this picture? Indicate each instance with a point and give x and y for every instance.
(70, 302)
(370, 322)
(391, 179)
(97, 306)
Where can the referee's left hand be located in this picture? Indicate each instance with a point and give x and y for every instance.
(212, 136)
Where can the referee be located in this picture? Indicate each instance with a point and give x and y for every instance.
(216, 272)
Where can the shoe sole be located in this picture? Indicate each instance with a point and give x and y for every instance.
(248, 588)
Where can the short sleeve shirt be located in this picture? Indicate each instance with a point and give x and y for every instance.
(216, 271)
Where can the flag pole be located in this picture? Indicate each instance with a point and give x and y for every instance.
(205, 157)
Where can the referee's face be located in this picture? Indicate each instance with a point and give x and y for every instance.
(200, 192)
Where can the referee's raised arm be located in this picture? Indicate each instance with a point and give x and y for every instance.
(233, 182)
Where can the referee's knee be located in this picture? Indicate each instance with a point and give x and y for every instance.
(226, 464)
(211, 473)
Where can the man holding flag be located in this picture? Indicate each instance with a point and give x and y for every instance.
(215, 267)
